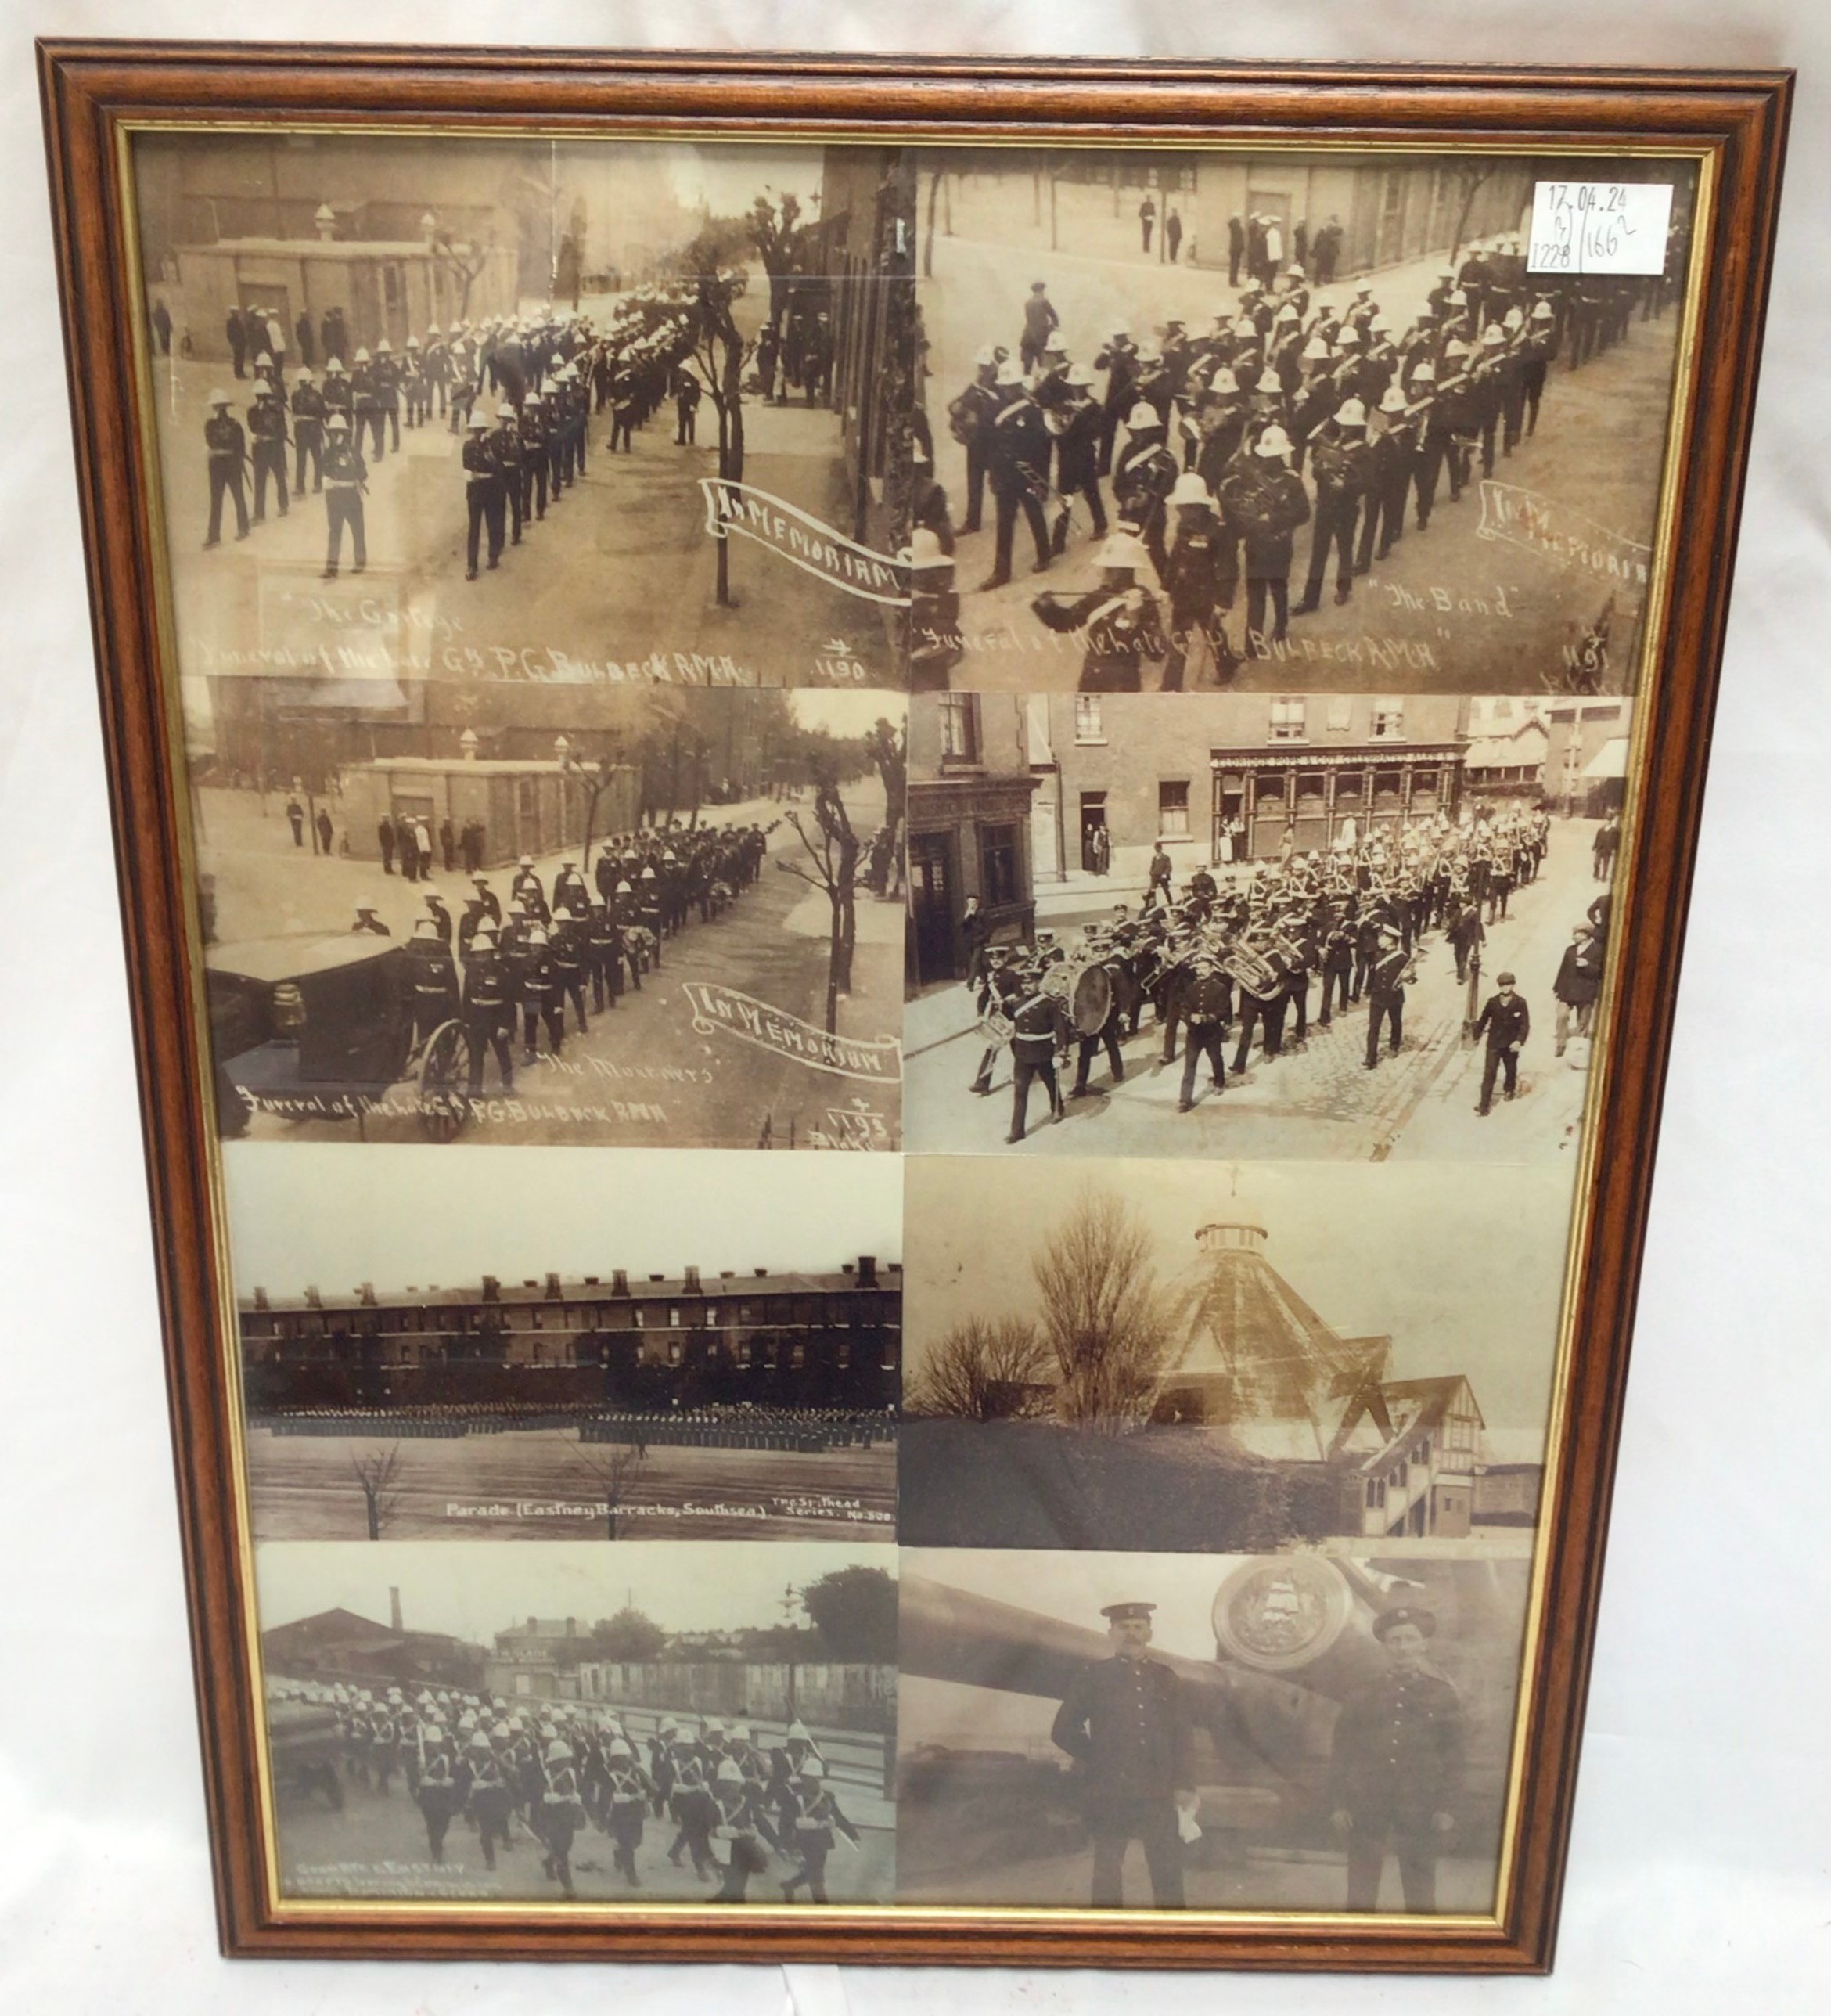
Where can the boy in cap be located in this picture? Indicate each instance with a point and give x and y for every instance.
(1506, 1022)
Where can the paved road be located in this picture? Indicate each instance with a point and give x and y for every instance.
(544, 1485)
(1450, 610)
(1318, 1101)
(642, 1074)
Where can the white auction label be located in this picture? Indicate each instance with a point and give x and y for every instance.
(1599, 227)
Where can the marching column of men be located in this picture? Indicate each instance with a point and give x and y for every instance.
(1246, 955)
(740, 1802)
(520, 391)
(498, 971)
(1293, 409)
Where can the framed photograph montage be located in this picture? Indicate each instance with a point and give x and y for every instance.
(1224, 571)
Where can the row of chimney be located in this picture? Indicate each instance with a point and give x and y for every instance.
(864, 1269)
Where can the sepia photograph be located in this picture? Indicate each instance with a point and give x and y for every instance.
(1213, 1359)
(581, 1724)
(1120, 905)
(572, 1345)
(465, 910)
(1301, 1733)
(631, 412)
(1256, 419)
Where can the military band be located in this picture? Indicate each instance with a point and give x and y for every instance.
(1293, 408)
(742, 1803)
(1241, 958)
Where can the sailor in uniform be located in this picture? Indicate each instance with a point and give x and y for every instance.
(1125, 1722)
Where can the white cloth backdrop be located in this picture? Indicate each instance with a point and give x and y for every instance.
(1698, 1870)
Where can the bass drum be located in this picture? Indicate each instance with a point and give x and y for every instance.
(1090, 1000)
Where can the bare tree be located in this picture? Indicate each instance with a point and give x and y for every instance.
(777, 232)
(613, 1467)
(721, 352)
(832, 865)
(996, 1370)
(1102, 1314)
(376, 1469)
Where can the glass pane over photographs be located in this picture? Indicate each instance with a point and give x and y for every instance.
(1289, 419)
(1195, 599)
(1365, 927)
(579, 1722)
(633, 412)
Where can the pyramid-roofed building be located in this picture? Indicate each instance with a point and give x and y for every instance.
(1255, 1359)
(1258, 1365)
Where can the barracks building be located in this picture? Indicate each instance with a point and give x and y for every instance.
(615, 1341)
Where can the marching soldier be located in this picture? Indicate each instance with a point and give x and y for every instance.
(267, 425)
(1387, 978)
(488, 1009)
(1343, 465)
(815, 1820)
(1125, 1722)
(1195, 579)
(491, 1800)
(1396, 1765)
(482, 495)
(1018, 454)
(970, 418)
(345, 477)
(627, 1793)
(435, 979)
(1207, 1008)
(308, 417)
(504, 444)
(227, 447)
(1143, 477)
(1039, 1030)
(1264, 498)
(1506, 1022)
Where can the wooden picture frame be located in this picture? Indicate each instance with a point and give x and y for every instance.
(97, 94)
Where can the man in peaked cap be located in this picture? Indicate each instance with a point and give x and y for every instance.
(1395, 1770)
(1125, 1722)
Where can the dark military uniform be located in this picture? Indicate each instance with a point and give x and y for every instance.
(308, 416)
(345, 473)
(1396, 1763)
(483, 497)
(1125, 1722)
(1038, 1029)
(1207, 1008)
(267, 424)
(228, 445)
